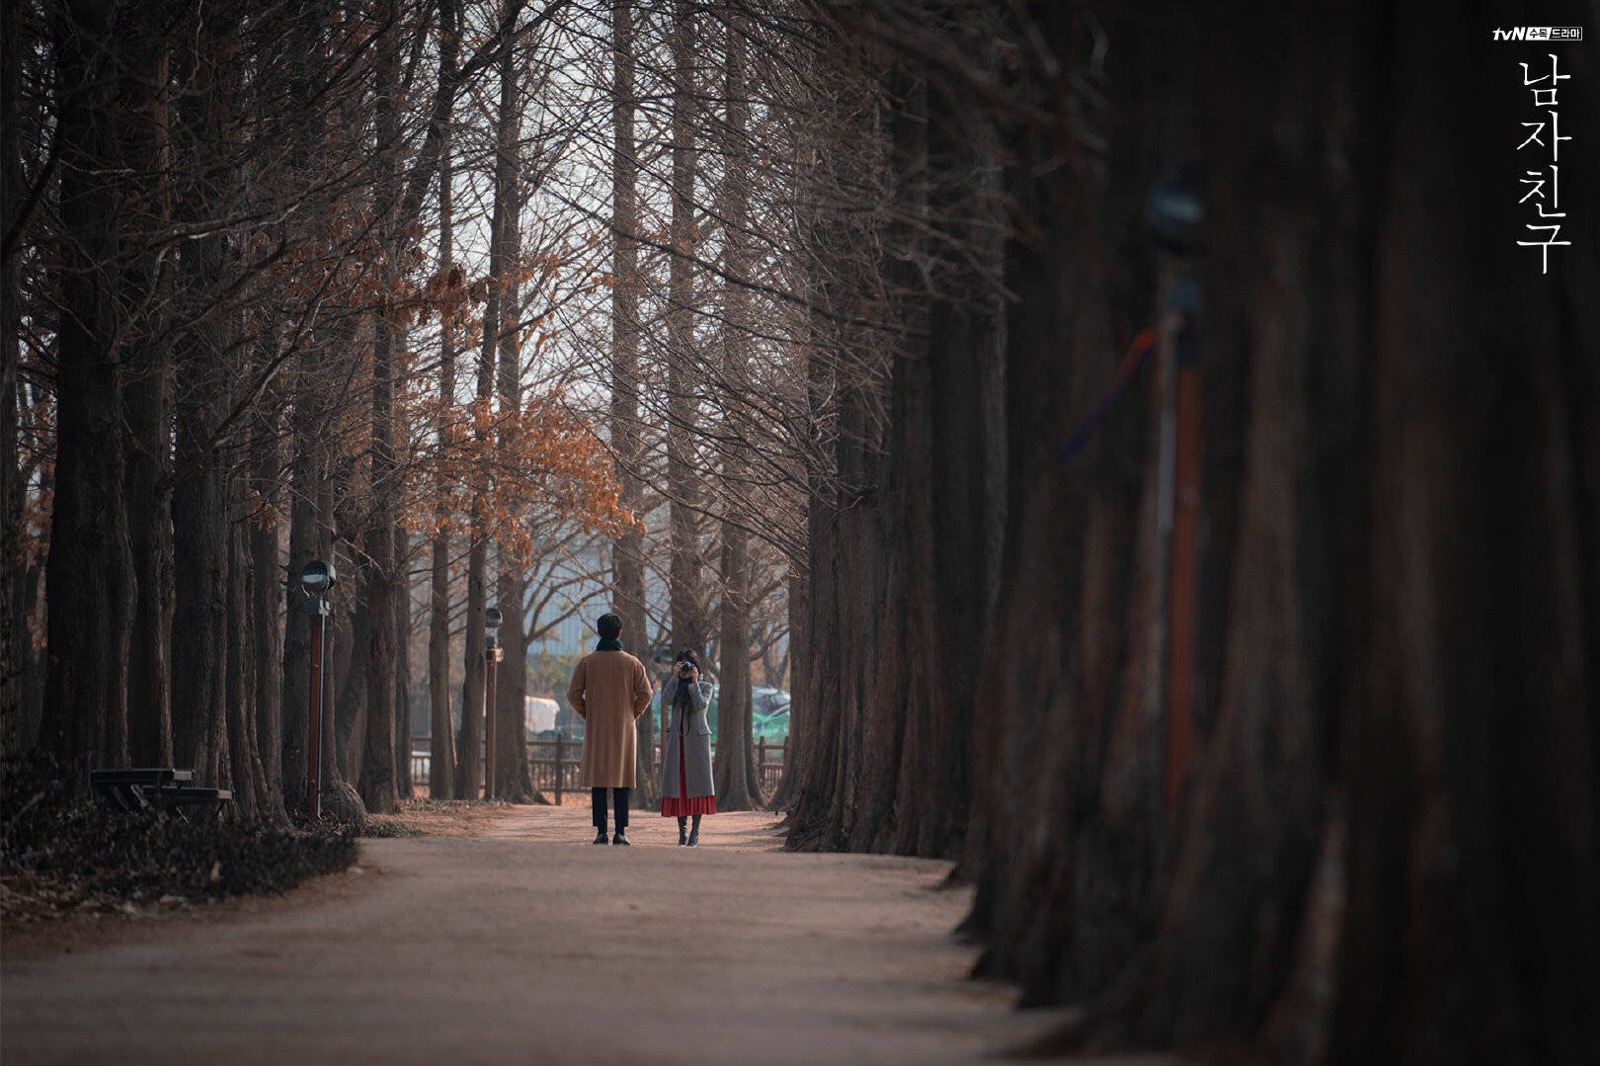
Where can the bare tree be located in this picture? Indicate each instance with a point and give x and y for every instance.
(737, 779)
(442, 758)
(627, 553)
(682, 393)
(90, 581)
(13, 621)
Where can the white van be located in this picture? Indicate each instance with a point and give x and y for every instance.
(540, 714)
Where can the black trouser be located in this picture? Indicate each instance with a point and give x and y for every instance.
(619, 798)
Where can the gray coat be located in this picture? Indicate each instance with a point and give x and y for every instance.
(697, 755)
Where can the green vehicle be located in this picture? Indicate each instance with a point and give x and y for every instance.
(769, 714)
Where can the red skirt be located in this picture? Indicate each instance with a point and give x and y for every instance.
(679, 807)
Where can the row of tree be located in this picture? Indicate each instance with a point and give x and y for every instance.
(1185, 498)
(329, 281)
(1210, 565)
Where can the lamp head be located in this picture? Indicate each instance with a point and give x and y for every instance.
(1175, 211)
(318, 576)
(492, 619)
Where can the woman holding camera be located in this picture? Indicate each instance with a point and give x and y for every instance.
(687, 789)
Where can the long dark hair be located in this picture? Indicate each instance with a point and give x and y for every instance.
(687, 655)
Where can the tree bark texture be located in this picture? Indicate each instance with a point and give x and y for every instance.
(308, 540)
(402, 665)
(442, 757)
(469, 743)
(1354, 820)
(684, 586)
(512, 775)
(252, 797)
(267, 618)
(13, 622)
(738, 780)
(148, 393)
(627, 550)
(205, 364)
(89, 581)
(379, 790)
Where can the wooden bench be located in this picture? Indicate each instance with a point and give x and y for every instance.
(163, 788)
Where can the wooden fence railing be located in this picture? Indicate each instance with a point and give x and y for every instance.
(556, 764)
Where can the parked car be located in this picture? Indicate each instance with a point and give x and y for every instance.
(768, 700)
(769, 715)
(540, 716)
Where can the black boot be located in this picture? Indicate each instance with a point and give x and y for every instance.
(694, 834)
(621, 838)
(602, 838)
(683, 832)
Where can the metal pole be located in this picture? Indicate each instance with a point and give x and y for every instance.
(491, 656)
(319, 612)
(1183, 561)
(560, 769)
(488, 722)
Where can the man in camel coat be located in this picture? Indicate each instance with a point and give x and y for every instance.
(609, 690)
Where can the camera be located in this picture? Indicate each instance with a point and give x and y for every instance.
(684, 666)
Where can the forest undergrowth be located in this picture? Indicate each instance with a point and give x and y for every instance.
(62, 855)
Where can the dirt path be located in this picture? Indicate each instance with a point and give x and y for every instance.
(527, 944)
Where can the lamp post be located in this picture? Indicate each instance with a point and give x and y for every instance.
(318, 577)
(492, 654)
(1176, 216)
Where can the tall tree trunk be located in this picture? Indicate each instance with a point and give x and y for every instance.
(514, 774)
(511, 774)
(738, 783)
(847, 600)
(352, 627)
(442, 748)
(251, 797)
(951, 490)
(307, 468)
(199, 529)
(14, 643)
(376, 738)
(899, 671)
(799, 609)
(345, 705)
(378, 771)
(738, 788)
(204, 344)
(402, 665)
(627, 551)
(839, 488)
(469, 745)
(685, 594)
(1471, 745)
(498, 313)
(267, 578)
(307, 541)
(148, 400)
(442, 758)
(90, 581)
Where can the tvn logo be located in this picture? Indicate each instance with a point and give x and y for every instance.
(1548, 34)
